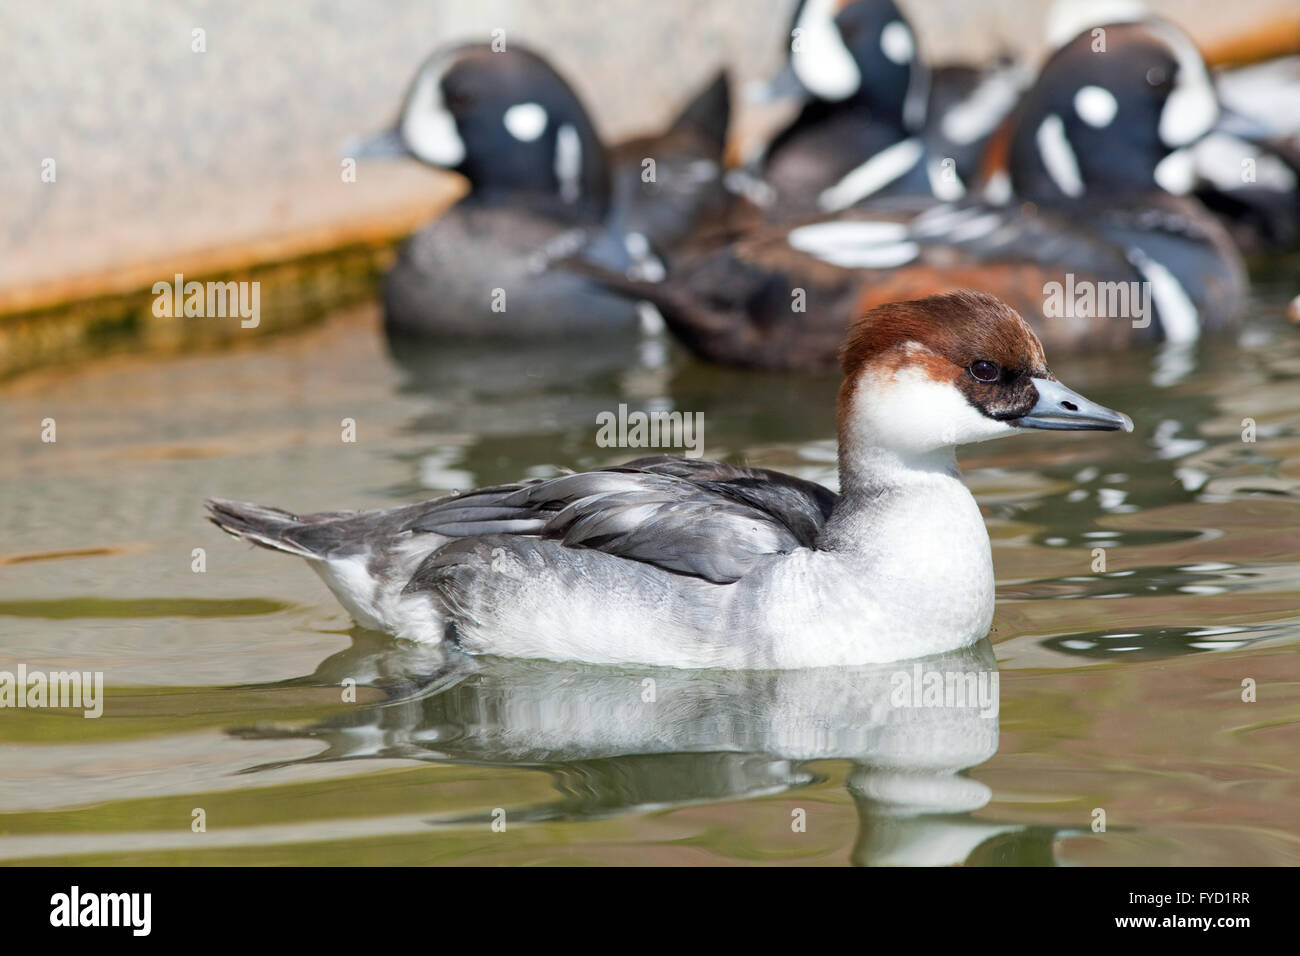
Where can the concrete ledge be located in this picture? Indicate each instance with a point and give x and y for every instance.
(225, 162)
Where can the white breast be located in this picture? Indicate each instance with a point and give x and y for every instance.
(923, 585)
(919, 582)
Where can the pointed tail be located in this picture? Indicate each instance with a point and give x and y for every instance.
(266, 527)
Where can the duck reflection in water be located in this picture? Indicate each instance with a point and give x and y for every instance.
(624, 740)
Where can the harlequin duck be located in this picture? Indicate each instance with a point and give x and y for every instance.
(1105, 138)
(1246, 170)
(876, 119)
(536, 169)
(540, 180)
(1073, 227)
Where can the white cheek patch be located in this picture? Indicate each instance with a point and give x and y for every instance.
(856, 245)
(872, 176)
(1058, 156)
(896, 42)
(910, 411)
(821, 61)
(1096, 106)
(525, 121)
(428, 128)
(1189, 113)
(1192, 107)
(568, 162)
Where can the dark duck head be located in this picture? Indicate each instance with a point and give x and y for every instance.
(506, 121)
(1111, 114)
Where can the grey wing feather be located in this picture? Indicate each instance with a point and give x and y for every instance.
(711, 539)
(699, 518)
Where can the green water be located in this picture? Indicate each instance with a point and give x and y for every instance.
(227, 689)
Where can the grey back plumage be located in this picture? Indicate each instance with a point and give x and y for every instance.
(700, 518)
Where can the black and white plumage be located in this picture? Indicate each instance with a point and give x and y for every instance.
(541, 182)
(1073, 191)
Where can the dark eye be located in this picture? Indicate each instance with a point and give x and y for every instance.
(985, 371)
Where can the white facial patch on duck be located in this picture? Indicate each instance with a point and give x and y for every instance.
(1178, 315)
(1193, 107)
(568, 162)
(428, 127)
(896, 42)
(856, 245)
(525, 121)
(1096, 106)
(872, 176)
(1058, 155)
(1189, 113)
(911, 412)
(818, 55)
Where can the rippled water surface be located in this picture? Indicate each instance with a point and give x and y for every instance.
(1120, 670)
